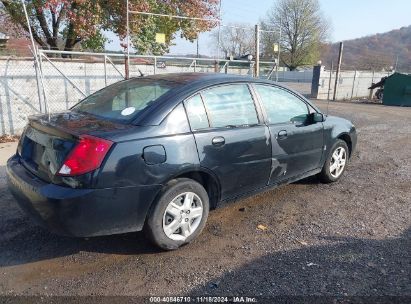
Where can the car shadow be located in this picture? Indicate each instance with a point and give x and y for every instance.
(346, 267)
(22, 241)
(311, 180)
(33, 244)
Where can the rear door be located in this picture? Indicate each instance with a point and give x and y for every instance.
(231, 140)
(297, 144)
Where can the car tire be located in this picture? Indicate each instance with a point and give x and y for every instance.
(330, 173)
(177, 206)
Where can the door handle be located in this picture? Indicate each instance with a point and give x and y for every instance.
(282, 134)
(218, 141)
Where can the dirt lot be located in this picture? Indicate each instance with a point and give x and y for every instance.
(348, 238)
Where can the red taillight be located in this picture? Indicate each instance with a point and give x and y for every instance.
(86, 156)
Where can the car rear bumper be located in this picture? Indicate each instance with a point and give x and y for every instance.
(79, 212)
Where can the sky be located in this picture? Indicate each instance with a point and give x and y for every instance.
(349, 19)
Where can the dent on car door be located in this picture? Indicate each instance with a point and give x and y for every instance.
(297, 142)
(230, 139)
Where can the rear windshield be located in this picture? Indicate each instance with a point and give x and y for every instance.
(123, 101)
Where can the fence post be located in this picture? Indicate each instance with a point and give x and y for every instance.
(155, 65)
(37, 70)
(315, 82)
(329, 80)
(372, 90)
(46, 104)
(338, 70)
(353, 84)
(250, 69)
(216, 67)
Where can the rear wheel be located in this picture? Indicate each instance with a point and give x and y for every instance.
(335, 163)
(179, 214)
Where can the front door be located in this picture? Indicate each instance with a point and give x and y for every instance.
(297, 144)
(230, 139)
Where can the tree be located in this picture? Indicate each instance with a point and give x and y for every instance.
(57, 24)
(303, 29)
(66, 24)
(144, 28)
(236, 39)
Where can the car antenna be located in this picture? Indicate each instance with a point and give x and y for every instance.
(141, 73)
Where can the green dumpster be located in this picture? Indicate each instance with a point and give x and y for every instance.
(397, 90)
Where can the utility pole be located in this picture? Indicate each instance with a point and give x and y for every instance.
(278, 54)
(257, 51)
(127, 66)
(217, 62)
(337, 74)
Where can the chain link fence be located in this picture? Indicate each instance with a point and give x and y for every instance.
(66, 81)
(59, 83)
(18, 94)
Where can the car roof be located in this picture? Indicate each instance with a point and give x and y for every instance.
(198, 81)
(185, 78)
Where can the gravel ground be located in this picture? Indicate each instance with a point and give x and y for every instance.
(347, 238)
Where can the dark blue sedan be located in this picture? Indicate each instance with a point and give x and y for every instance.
(157, 153)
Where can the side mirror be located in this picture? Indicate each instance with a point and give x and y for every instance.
(318, 117)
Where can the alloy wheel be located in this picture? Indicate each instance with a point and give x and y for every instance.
(338, 162)
(182, 216)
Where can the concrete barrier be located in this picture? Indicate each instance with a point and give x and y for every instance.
(350, 84)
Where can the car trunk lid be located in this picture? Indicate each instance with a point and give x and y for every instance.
(46, 142)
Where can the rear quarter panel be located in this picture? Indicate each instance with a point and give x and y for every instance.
(126, 165)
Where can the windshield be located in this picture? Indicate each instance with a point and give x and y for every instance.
(124, 100)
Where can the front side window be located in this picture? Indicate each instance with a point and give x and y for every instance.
(230, 105)
(281, 106)
(123, 101)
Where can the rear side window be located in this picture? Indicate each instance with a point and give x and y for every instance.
(123, 101)
(281, 106)
(230, 105)
(196, 113)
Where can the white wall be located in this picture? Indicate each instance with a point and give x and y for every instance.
(351, 84)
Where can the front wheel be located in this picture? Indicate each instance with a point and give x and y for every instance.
(179, 214)
(335, 163)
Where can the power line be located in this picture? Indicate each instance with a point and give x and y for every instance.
(175, 16)
(197, 18)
